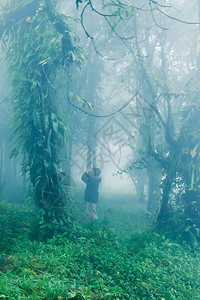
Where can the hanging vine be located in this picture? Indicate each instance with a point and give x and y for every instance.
(36, 46)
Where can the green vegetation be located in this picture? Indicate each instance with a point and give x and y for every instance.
(36, 48)
(92, 263)
(144, 96)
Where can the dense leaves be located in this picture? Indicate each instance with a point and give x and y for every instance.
(94, 263)
(36, 46)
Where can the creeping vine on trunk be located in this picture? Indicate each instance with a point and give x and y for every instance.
(37, 42)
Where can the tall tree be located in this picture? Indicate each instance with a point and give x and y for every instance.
(37, 42)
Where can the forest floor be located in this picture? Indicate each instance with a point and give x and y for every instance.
(120, 257)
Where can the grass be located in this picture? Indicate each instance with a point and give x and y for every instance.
(95, 262)
(123, 212)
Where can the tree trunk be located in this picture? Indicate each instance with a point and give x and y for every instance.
(154, 189)
(167, 186)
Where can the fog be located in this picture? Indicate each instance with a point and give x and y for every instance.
(112, 86)
(99, 149)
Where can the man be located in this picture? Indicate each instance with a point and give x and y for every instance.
(92, 179)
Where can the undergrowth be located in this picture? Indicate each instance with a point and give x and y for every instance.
(91, 263)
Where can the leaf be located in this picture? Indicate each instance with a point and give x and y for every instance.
(45, 61)
(127, 14)
(110, 4)
(115, 13)
(131, 12)
(48, 143)
(89, 105)
(188, 228)
(193, 152)
(55, 126)
(14, 153)
(74, 58)
(77, 98)
(53, 116)
(171, 244)
(113, 27)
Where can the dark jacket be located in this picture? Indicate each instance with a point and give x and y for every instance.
(92, 186)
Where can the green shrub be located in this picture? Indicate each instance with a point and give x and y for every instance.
(94, 263)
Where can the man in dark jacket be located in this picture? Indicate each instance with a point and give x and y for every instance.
(92, 179)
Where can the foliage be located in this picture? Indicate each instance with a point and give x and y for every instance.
(16, 224)
(190, 159)
(170, 135)
(97, 264)
(36, 47)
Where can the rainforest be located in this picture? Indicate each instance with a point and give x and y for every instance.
(99, 149)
